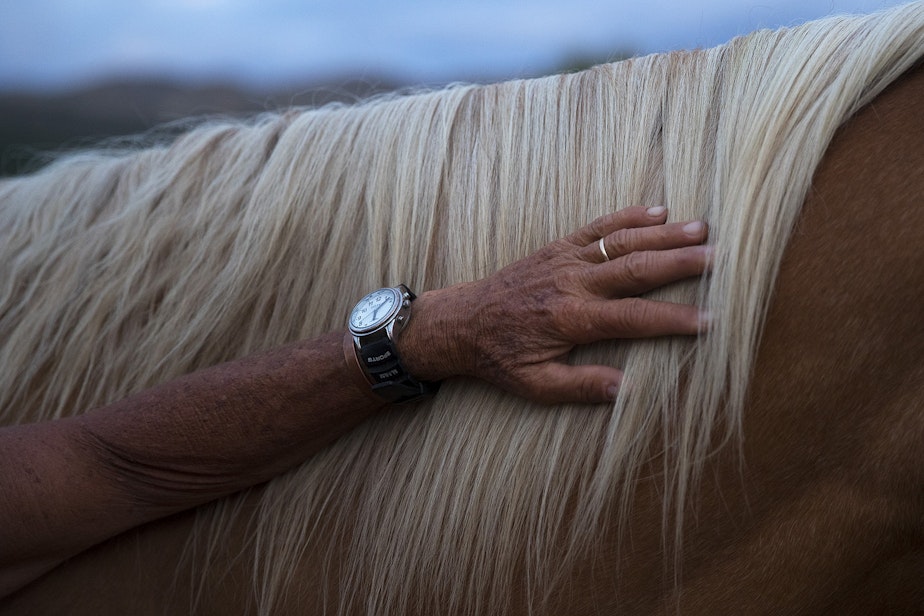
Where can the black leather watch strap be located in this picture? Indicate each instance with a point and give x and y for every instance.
(389, 378)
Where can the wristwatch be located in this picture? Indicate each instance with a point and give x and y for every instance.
(374, 323)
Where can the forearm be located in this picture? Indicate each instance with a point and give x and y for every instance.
(228, 427)
(170, 448)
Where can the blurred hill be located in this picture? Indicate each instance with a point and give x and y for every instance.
(33, 124)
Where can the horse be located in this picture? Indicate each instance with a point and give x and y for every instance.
(770, 466)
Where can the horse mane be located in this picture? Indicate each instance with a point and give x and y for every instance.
(124, 269)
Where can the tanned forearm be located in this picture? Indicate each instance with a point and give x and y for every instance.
(170, 448)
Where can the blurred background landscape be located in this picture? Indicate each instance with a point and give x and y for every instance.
(75, 73)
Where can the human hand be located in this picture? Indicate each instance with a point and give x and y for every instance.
(516, 328)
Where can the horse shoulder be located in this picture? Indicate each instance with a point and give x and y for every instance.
(829, 516)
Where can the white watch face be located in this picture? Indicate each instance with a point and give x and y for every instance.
(375, 309)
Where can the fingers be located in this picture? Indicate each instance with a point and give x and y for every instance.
(661, 237)
(557, 382)
(641, 271)
(623, 219)
(638, 318)
(630, 318)
(570, 293)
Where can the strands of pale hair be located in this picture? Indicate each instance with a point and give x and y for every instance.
(123, 270)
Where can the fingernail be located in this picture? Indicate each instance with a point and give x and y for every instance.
(705, 320)
(656, 211)
(612, 390)
(693, 228)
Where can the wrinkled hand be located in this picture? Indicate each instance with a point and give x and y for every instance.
(516, 328)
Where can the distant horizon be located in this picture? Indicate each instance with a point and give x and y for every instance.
(108, 81)
(58, 45)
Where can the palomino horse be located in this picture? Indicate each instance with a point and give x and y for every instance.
(729, 477)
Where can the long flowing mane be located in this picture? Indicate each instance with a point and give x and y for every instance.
(121, 270)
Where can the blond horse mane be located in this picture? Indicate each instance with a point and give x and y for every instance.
(120, 270)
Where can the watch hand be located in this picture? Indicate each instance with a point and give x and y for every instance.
(376, 313)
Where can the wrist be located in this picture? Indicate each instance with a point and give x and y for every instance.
(433, 344)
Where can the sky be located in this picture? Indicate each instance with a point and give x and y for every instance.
(58, 44)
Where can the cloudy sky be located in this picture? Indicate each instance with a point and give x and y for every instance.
(60, 43)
